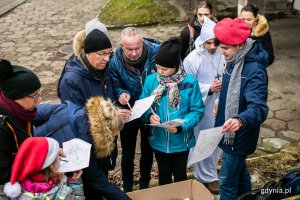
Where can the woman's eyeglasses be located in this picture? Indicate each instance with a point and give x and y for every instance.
(36, 97)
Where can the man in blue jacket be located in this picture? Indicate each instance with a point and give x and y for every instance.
(129, 66)
(242, 103)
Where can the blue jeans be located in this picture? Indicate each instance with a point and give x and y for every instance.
(234, 177)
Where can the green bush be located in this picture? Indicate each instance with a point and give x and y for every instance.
(136, 12)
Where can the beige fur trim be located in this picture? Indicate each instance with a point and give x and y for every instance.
(103, 119)
(261, 28)
(78, 42)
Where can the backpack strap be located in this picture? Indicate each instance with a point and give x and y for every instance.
(2, 121)
(191, 40)
(57, 128)
(192, 34)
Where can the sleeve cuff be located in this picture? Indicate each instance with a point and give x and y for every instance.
(179, 129)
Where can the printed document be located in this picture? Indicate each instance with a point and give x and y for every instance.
(77, 154)
(140, 107)
(206, 143)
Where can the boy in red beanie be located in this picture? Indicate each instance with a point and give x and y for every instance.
(242, 103)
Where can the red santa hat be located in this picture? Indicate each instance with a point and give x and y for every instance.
(35, 154)
(232, 31)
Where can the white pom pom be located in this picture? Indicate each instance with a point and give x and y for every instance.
(12, 190)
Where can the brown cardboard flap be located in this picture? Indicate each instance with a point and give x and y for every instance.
(191, 189)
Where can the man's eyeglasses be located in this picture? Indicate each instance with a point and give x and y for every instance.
(201, 14)
(36, 97)
(103, 55)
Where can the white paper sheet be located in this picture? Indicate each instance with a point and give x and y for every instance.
(169, 124)
(77, 154)
(206, 143)
(140, 107)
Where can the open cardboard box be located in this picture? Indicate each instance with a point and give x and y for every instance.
(190, 189)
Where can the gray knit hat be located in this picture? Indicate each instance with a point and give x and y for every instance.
(95, 24)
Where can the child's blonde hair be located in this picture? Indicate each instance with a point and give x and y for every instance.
(51, 172)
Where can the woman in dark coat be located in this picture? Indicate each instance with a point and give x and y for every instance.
(20, 93)
(259, 29)
(97, 123)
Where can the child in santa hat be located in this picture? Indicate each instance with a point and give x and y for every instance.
(35, 173)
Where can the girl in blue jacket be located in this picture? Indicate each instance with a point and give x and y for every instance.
(177, 97)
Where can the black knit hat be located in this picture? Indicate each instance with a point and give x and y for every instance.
(168, 54)
(96, 41)
(16, 81)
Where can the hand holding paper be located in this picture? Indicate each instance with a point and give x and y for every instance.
(140, 107)
(77, 154)
(206, 143)
(169, 124)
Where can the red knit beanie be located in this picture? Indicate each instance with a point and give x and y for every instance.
(35, 154)
(232, 31)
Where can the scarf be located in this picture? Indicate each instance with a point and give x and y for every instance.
(197, 21)
(172, 83)
(97, 74)
(39, 185)
(17, 111)
(234, 87)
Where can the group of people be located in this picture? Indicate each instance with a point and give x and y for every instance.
(210, 62)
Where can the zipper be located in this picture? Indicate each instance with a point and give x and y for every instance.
(104, 87)
(187, 139)
(152, 133)
(167, 119)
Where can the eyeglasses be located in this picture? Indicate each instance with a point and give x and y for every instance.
(36, 97)
(201, 14)
(103, 55)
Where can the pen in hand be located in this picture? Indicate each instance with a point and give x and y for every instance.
(152, 111)
(129, 106)
(63, 160)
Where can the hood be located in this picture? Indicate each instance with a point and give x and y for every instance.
(261, 28)
(75, 65)
(104, 121)
(207, 33)
(78, 43)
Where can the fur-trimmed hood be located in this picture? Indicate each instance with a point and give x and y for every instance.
(261, 28)
(104, 121)
(78, 43)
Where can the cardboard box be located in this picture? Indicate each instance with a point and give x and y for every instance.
(190, 189)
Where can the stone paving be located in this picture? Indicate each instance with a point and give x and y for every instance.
(33, 34)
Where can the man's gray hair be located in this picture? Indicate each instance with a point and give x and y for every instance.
(130, 31)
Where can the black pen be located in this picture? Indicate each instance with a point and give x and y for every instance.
(63, 160)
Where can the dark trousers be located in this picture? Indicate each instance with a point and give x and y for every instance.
(109, 162)
(171, 164)
(128, 138)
